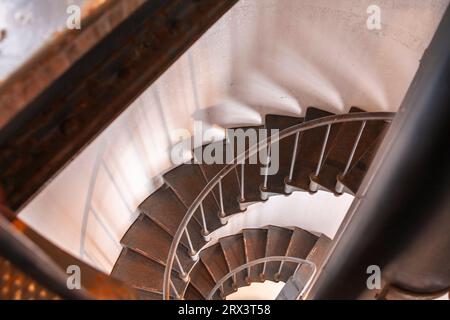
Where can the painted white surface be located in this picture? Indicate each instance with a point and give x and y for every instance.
(258, 291)
(264, 56)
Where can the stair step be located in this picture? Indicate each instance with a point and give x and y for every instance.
(187, 181)
(300, 245)
(166, 210)
(278, 240)
(148, 295)
(230, 183)
(192, 293)
(309, 149)
(147, 238)
(316, 256)
(275, 183)
(214, 260)
(255, 248)
(359, 167)
(141, 272)
(336, 158)
(252, 171)
(295, 285)
(339, 153)
(289, 291)
(319, 251)
(202, 281)
(234, 252)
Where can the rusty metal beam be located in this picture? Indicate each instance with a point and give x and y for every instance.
(53, 57)
(56, 125)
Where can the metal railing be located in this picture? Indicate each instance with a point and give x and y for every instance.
(282, 259)
(34, 262)
(327, 122)
(47, 264)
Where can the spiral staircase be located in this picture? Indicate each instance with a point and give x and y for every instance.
(168, 252)
(333, 157)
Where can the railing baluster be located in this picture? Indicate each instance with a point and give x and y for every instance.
(313, 186)
(279, 270)
(235, 286)
(339, 186)
(264, 193)
(294, 156)
(242, 182)
(298, 267)
(177, 295)
(205, 232)
(263, 272)
(352, 154)
(192, 251)
(183, 275)
(266, 173)
(222, 210)
(322, 152)
(263, 190)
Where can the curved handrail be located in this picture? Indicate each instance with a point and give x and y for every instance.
(298, 261)
(329, 120)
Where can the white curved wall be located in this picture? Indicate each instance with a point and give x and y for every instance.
(258, 291)
(264, 56)
(319, 213)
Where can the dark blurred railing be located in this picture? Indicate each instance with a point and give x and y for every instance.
(48, 265)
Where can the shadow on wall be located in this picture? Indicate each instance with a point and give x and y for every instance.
(310, 53)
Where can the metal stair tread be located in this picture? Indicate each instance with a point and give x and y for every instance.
(252, 172)
(278, 239)
(165, 209)
(255, 248)
(230, 183)
(192, 294)
(138, 271)
(300, 246)
(275, 183)
(234, 252)
(214, 260)
(360, 166)
(336, 159)
(147, 238)
(187, 181)
(202, 280)
(309, 149)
